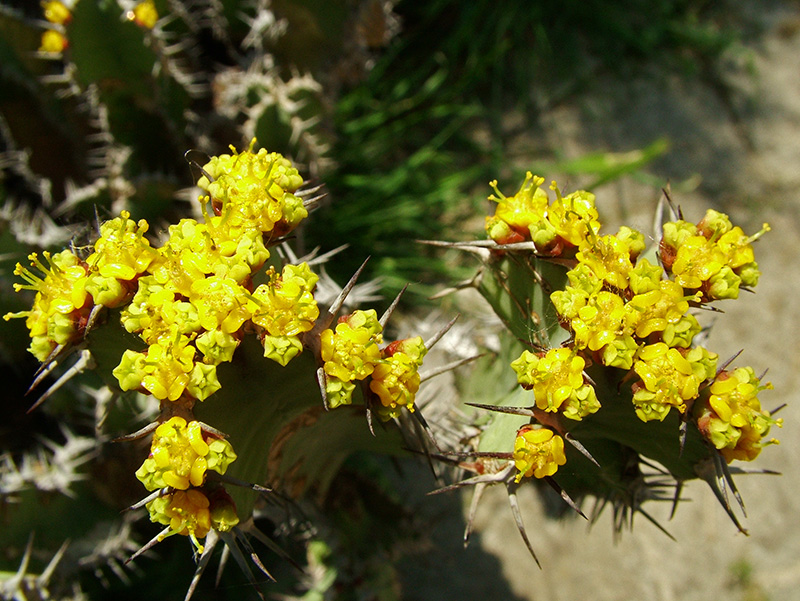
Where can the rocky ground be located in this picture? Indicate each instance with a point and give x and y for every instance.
(735, 145)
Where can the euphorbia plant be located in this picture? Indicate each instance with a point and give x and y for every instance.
(610, 372)
(212, 324)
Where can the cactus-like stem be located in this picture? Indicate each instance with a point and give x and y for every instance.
(607, 347)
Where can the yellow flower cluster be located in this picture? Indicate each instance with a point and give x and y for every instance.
(556, 378)
(190, 302)
(538, 452)
(395, 380)
(180, 455)
(194, 298)
(713, 257)
(731, 417)
(622, 311)
(350, 353)
(61, 305)
(285, 308)
(529, 216)
(253, 191)
(669, 378)
(193, 513)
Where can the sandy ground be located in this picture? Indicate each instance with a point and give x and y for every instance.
(737, 151)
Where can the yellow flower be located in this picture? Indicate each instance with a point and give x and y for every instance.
(654, 310)
(285, 308)
(53, 42)
(538, 452)
(256, 189)
(164, 370)
(155, 314)
(180, 455)
(731, 417)
(668, 379)
(144, 14)
(573, 217)
(61, 302)
(523, 210)
(56, 12)
(350, 353)
(396, 379)
(186, 512)
(600, 321)
(221, 303)
(611, 257)
(557, 382)
(697, 260)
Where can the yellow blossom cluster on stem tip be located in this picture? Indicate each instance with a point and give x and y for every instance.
(395, 380)
(185, 512)
(285, 308)
(191, 302)
(254, 190)
(713, 257)
(556, 378)
(669, 378)
(731, 417)
(350, 353)
(538, 452)
(180, 455)
(61, 305)
(529, 216)
(624, 312)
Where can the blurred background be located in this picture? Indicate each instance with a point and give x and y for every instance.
(404, 111)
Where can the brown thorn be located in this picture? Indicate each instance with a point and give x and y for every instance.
(84, 361)
(227, 479)
(322, 381)
(582, 449)
(683, 430)
(438, 335)
(676, 498)
(727, 363)
(337, 304)
(92, 318)
(449, 367)
(653, 521)
(253, 555)
(151, 497)
(140, 433)
(732, 485)
(196, 165)
(511, 488)
(418, 418)
(308, 191)
(388, 313)
(500, 476)
(212, 430)
(46, 367)
(149, 545)
(524, 411)
(368, 405)
(473, 509)
(231, 541)
(272, 546)
(208, 548)
(563, 494)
